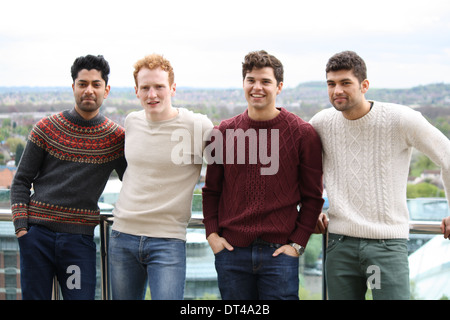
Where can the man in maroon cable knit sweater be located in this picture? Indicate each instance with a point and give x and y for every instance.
(264, 165)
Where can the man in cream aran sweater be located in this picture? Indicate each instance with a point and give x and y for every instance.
(164, 151)
(367, 149)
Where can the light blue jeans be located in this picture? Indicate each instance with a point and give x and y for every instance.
(134, 260)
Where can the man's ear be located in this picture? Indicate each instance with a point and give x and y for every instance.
(107, 90)
(279, 87)
(173, 88)
(365, 86)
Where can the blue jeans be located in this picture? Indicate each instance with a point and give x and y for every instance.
(71, 257)
(252, 273)
(134, 260)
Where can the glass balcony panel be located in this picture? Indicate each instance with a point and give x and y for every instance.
(429, 257)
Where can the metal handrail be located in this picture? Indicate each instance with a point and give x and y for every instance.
(416, 227)
(106, 219)
(425, 227)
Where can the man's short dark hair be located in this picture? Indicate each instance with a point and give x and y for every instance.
(90, 62)
(261, 59)
(348, 60)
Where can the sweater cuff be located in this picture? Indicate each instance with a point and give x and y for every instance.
(211, 227)
(300, 236)
(20, 215)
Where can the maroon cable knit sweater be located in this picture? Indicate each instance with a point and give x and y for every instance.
(241, 204)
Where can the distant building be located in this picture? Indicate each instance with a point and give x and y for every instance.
(9, 264)
(430, 269)
(6, 176)
(430, 176)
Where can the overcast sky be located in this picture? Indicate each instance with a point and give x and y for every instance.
(404, 42)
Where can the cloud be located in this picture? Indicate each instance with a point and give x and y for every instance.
(207, 40)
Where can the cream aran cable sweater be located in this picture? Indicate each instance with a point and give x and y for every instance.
(157, 189)
(366, 165)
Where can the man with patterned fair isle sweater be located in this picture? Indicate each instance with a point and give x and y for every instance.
(251, 215)
(65, 166)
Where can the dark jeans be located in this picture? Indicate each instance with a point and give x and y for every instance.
(252, 273)
(71, 257)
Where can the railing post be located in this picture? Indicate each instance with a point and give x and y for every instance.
(104, 263)
(55, 289)
(324, 258)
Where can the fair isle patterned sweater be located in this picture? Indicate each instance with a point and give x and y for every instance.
(66, 164)
(366, 167)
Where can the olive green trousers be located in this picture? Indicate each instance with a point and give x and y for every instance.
(354, 265)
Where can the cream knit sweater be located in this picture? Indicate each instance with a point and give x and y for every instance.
(157, 189)
(366, 166)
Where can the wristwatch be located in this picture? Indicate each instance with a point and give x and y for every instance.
(298, 248)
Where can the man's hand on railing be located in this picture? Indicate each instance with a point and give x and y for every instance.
(322, 224)
(445, 227)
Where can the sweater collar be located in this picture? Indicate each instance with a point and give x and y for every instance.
(74, 116)
(364, 119)
(269, 123)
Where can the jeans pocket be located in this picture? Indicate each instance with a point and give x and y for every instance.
(333, 241)
(289, 256)
(26, 235)
(396, 245)
(88, 240)
(114, 234)
(220, 252)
